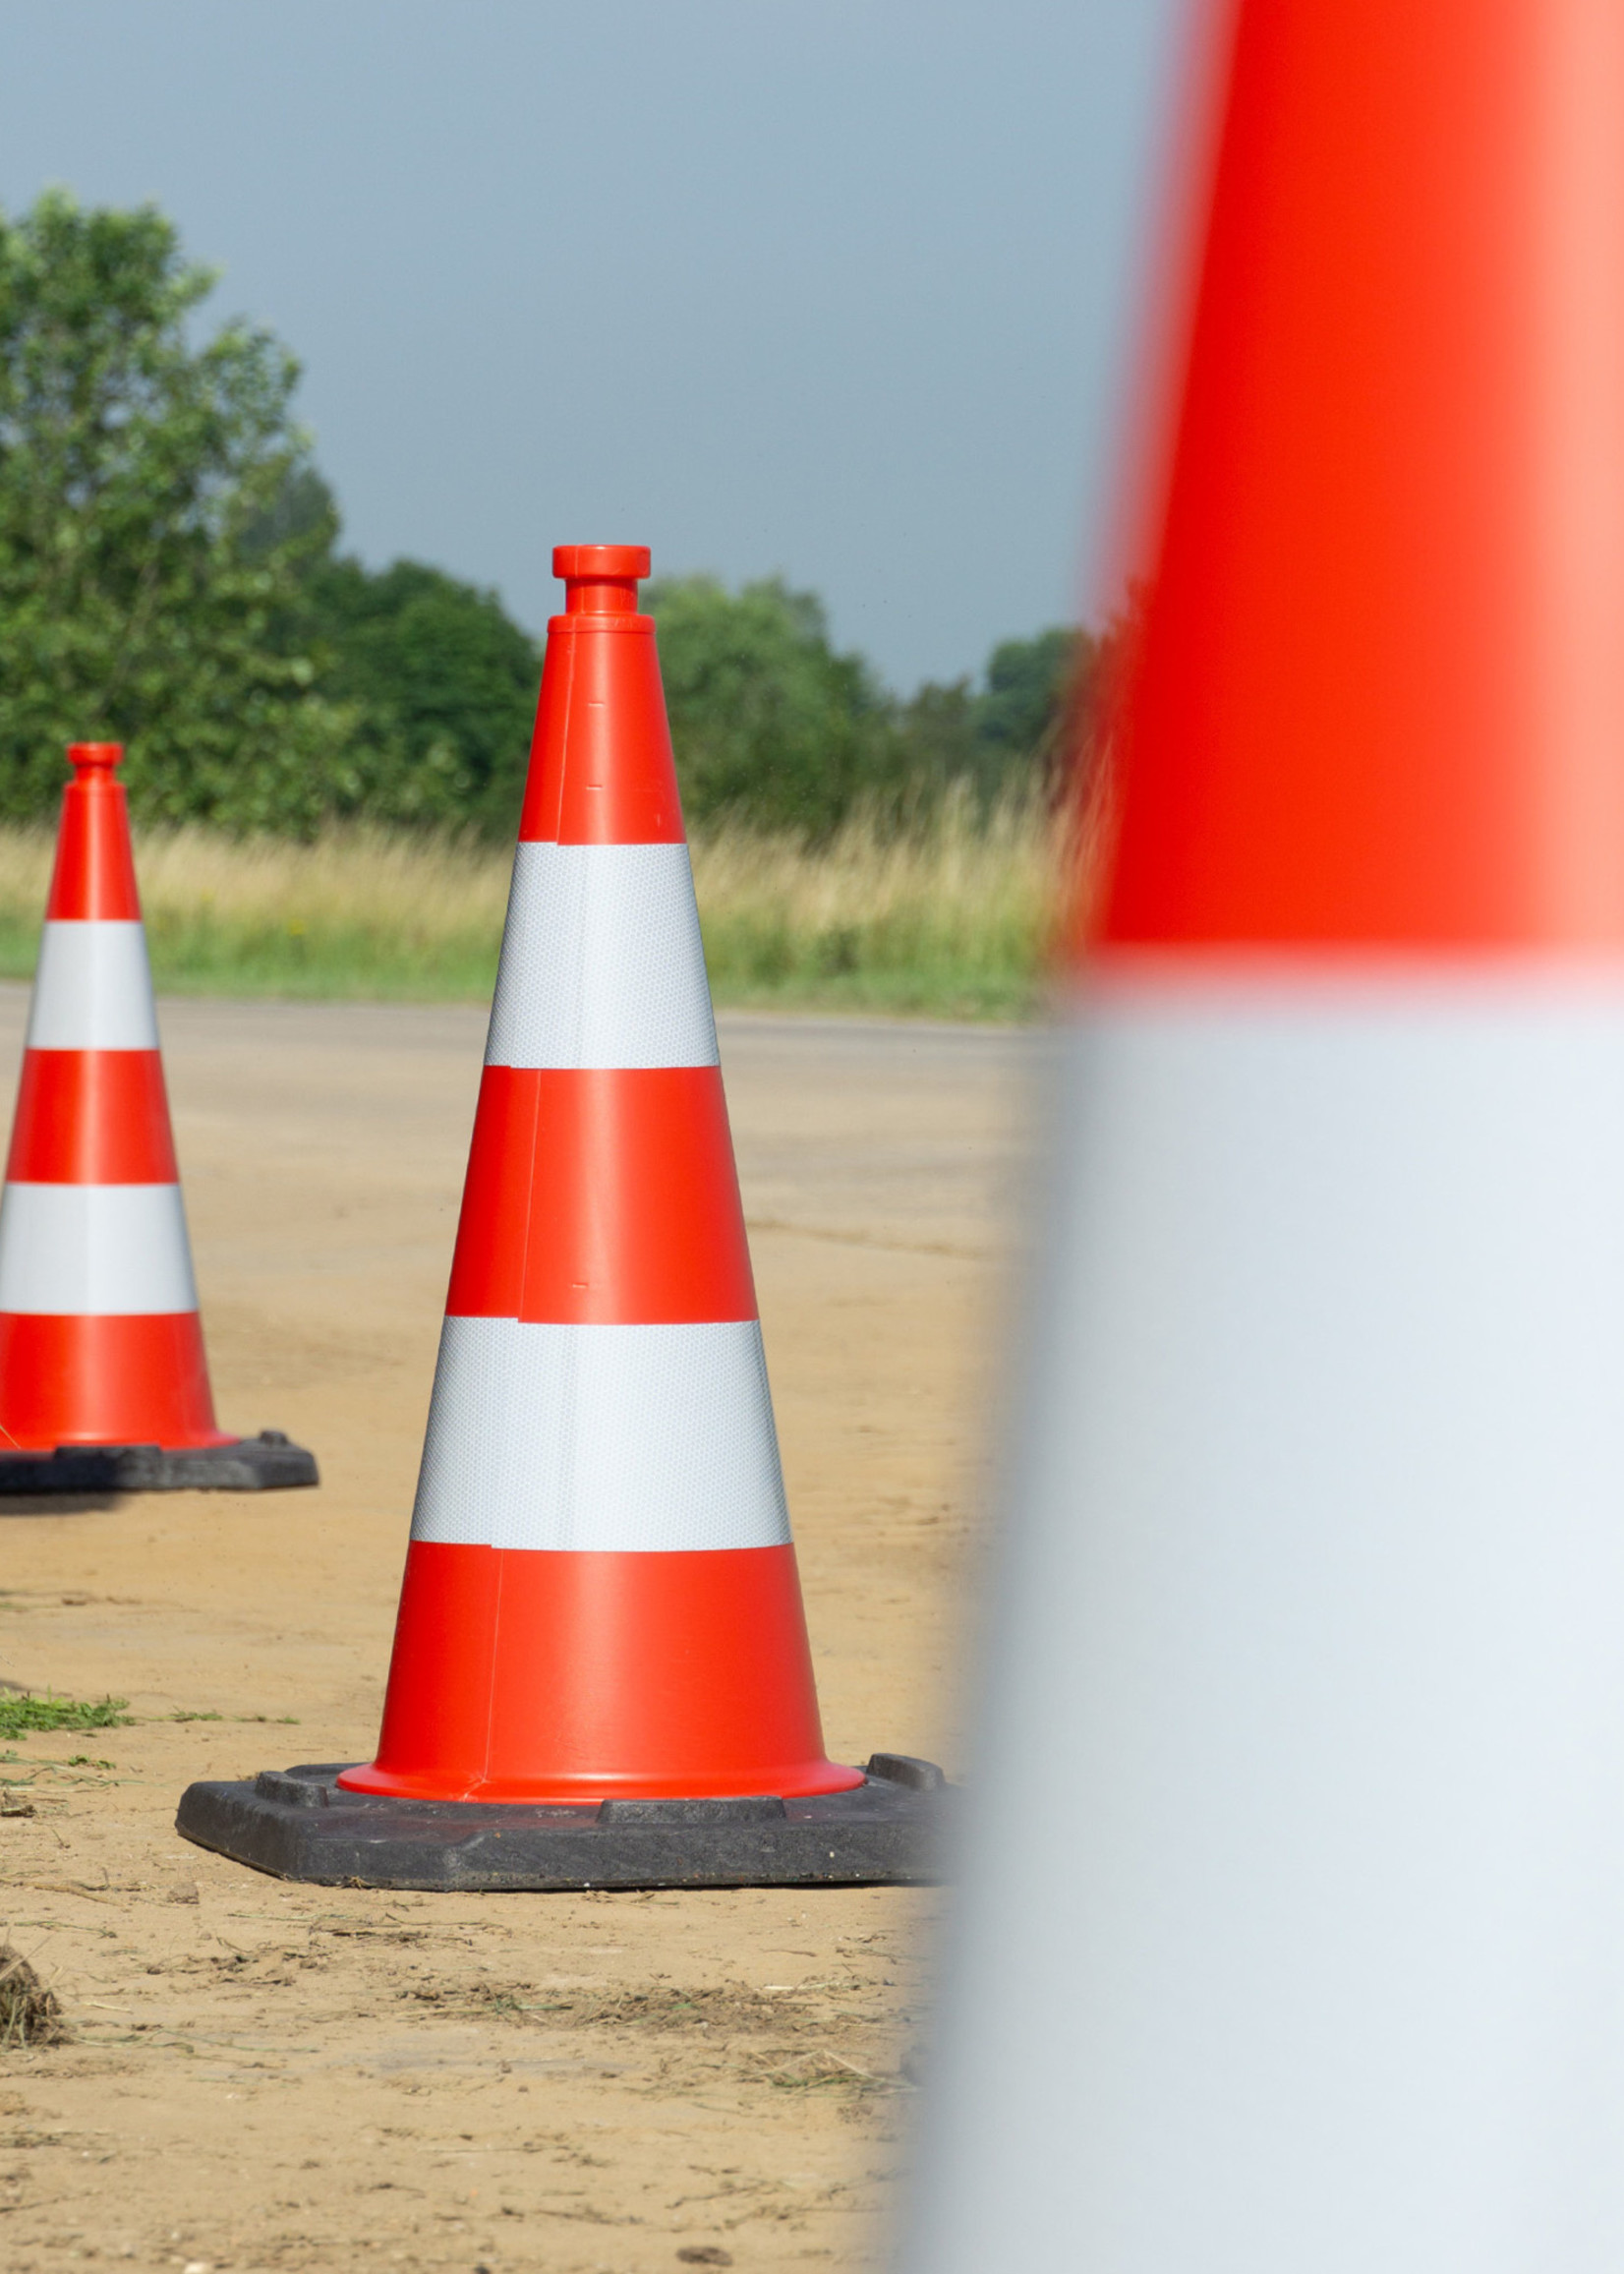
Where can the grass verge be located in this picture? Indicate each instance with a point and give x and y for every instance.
(947, 918)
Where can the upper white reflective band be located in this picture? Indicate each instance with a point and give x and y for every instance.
(601, 962)
(104, 1251)
(603, 1438)
(1288, 1935)
(93, 989)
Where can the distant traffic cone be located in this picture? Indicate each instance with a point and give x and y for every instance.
(1295, 1910)
(601, 1607)
(101, 1354)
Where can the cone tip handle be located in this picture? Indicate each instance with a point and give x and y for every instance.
(81, 755)
(571, 561)
(601, 579)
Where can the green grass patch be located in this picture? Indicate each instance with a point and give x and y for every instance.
(211, 955)
(757, 960)
(901, 967)
(751, 968)
(21, 1710)
(292, 962)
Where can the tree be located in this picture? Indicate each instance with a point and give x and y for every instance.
(1017, 730)
(444, 683)
(169, 578)
(940, 743)
(768, 723)
(147, 592)
(1036, 690)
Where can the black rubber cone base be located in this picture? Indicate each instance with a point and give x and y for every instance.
(300, 1825)
(267, 1463)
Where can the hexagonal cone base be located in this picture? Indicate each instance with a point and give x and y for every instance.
(267, 1463)
(300, 1825)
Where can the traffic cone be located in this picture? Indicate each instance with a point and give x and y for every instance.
(601, 1610)
(103, 1382)
(1295, 1893)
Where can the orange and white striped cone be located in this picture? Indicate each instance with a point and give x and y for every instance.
(600, 1618)
(1291, 1931)
(103, 1382)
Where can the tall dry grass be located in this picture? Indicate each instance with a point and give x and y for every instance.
(947, 915)
(362, 912)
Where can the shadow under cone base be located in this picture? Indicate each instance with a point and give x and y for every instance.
(266, 1462)
(303, 1824)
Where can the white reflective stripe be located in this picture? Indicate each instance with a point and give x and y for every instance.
(93, 989)
(104, 1250)
(601, 962)
(625, 1437)
(1294, 1858)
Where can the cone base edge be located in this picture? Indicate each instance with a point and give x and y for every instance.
(802, 1780)
(891, 1829)
(266, 1462)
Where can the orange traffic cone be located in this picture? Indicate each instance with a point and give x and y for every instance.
(601, 1608)
(1296, 1860)
(103, 1382)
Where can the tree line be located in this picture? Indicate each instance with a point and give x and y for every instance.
(171, 576)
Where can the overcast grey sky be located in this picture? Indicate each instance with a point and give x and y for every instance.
(844, 289)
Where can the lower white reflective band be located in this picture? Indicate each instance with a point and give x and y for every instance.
(1288, 1936)
(102, 1251)
(93, 989)
(601, 962)
(642, 1438)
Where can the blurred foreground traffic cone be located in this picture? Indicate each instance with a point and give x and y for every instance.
(103, 1382)
(1295, 1914)
(601, 1612)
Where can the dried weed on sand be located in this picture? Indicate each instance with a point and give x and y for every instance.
(30, 2012)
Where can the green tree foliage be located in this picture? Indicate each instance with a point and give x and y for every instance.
(444, 683)
(768, 721)
(169, 578)
(1028, 684)
(146, 594)
(773, 725)
(1039, 695)
(939, 741)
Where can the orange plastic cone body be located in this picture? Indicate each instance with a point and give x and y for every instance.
(600, 1598)
(1296, 1863)
(100, 1342)
(1382, 697)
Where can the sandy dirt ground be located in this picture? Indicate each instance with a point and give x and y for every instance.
(260, 2075)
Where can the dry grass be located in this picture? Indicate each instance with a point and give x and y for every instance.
(951, 915)
(363, 912)
(947, 916)
(30, 2013)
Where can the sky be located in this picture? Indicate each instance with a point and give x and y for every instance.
(846, 291)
